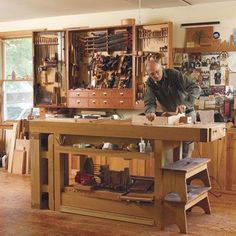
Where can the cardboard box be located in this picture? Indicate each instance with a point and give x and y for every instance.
(206, 117)
(167, 118)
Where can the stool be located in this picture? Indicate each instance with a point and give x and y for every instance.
(179, 195)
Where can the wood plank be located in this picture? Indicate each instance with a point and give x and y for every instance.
(197, 199)
(103, 194)
(12, 147)
(51, 189)
(58, 177)
(137, 198)
(2, 139)
(186, 164)
(6, 126)
(107, 215)
(101, 152)
(193, 193)
(159, 120)
(24, 144)
(231, 160)
(36, 181)
(158, 178)
(19, 162)
(73, 199)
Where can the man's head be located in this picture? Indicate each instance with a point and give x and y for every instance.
(154, 70)
(213, 59)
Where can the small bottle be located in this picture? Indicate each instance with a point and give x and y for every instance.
(13, 75)
(148, 147)
(142, 146)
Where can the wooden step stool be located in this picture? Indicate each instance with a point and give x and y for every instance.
(179, 195)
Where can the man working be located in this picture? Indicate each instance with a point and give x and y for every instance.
(175, 93)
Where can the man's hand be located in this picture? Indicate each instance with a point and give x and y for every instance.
(150, 116)
(180, 109)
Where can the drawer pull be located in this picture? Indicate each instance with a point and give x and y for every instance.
(78, 94)
(78, 101)
(105, 102)
(93, 101)
(121, 94)
(105, 94)
(121, 102)
(93, 93)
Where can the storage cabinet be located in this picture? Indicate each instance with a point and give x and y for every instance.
(49, 68)
(108, 63)
(151, 41)
(100, 67)
(155, 39)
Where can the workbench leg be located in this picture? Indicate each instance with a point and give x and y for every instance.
(51, 190)
(57, 180)
(158, 163)
(61, 174)
(36, 166)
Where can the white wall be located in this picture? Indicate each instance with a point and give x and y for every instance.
(223, 12)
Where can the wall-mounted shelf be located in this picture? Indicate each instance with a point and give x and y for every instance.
(205, 49)
(108, 153)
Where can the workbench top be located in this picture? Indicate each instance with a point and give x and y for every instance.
(124, 128)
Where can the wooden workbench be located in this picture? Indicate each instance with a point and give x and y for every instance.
(162, 138)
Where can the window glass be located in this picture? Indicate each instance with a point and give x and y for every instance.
(18, 83)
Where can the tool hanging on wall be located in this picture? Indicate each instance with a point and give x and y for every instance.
(48, 64)
(119, 41)
(146, 36)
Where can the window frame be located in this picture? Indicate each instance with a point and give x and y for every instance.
(7, 36)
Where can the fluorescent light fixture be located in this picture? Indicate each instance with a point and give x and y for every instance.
(199, 24)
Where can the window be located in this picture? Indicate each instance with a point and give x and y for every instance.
(18, 82)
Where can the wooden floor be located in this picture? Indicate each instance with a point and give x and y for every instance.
(17, 217)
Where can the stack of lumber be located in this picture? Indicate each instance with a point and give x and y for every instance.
(19, 151)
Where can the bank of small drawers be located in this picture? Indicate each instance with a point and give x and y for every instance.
(78, 102)
(78, 94)
(104, 98)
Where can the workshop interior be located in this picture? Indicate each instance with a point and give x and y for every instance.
(118, 117)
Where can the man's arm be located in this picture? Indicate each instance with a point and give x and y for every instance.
(191, 89)
(149, 100)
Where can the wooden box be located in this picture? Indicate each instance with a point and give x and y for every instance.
(169, 118)
(199, 36)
